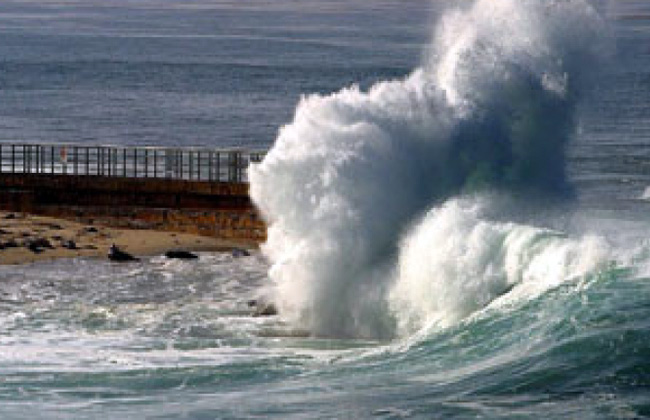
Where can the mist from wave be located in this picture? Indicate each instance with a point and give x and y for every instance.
(369, 234)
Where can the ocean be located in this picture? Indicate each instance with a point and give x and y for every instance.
(457, 195)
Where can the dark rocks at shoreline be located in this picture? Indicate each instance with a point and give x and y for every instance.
(262, 308)
(34, 249)
(38, 245)
(69, 244)
(11, 243)
(181, 254)
(240, 252)
(118, 255)
(41, 243)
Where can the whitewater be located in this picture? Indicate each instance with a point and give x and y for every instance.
(467, 239)
(379, 202)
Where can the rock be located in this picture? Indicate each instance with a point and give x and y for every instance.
(69, 244)
(10, 244)
(262, 308)
(240, 252)
(37, 245)
(118, 255)
(53, 226)
(267, 309)
(181, 254)
(35, 249)
(40, 243)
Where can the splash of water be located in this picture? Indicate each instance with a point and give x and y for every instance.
(349, 180)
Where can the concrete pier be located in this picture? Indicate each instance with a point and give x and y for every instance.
(197, 191)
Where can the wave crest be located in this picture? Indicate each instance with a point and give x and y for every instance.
(492, 107)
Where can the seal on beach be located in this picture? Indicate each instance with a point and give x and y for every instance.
(116, 254)
(181, 254)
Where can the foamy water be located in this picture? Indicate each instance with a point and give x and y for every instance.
(491, 108)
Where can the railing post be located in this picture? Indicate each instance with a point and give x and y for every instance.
(197, 159)
(190, 164)
(155, 163)
(233, 166)
(63, 159)
(210, 156)
(179, 161)
(219, 179)
(26, 158)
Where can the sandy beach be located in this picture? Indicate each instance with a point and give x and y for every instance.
(26, 238)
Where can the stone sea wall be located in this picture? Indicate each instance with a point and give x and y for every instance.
(218, 209)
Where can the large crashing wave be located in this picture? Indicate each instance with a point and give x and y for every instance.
(367, 232)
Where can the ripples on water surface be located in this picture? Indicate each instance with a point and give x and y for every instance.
(168, 339)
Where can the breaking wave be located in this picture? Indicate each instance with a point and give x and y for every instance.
(386, 209)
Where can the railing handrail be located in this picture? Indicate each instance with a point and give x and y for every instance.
(188, 163)
(148, 147)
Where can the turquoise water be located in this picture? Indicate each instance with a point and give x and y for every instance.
(161, 341)
(446, 299)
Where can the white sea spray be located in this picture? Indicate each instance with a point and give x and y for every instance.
(490, 108)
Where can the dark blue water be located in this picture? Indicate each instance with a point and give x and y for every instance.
(85, 339)
(190, 73)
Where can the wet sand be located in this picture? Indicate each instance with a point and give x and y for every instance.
(27, 238)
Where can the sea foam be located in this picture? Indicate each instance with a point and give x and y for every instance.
(368, 233)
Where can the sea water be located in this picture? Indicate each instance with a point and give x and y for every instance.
(457, 209)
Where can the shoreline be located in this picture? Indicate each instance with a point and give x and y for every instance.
(27, 238)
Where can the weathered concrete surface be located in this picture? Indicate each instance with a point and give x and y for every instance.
(208, 208)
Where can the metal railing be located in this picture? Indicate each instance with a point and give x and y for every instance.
(199, 164)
